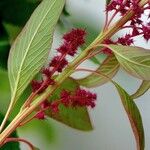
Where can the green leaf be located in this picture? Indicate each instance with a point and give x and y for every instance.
(10, 145)
(144, 87)
(135, 60)
(30, 50)
(77, 118)
(5, 95)
(109, 67)
(133, 115)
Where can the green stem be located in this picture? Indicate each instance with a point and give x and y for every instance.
(65, 74)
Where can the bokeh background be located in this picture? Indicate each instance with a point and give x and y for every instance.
(112, 130)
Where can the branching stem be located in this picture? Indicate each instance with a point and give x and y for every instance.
(65, 74)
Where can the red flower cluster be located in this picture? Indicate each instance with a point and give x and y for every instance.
(126, 40)
(46, 106)
(79, 98)
(123, 6)
(146, 31)
(40, 86)
(136, 24)
(72, 40)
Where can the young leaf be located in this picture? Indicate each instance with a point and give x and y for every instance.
(144, 87)
(30, 50)
(135, 60)
(77, 118)
(10, 145)
(109, 67)
(133, 115)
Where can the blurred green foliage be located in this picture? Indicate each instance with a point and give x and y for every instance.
(13, 16)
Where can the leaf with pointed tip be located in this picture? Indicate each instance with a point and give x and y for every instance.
(144, 87)
(133, 115)
(135, 60)
(30, 50)
(77, 118)
(109, 67)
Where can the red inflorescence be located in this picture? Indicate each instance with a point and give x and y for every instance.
(122, 6)
(126, 40)
(36, 85)
(46, 72)
(136, 24)
(72, 40)
(75, 37)
(146, 31)
(59, 63)
(80, 98)
(40, 115)
(55, 107)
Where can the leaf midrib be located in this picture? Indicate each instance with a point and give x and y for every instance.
(119, 54)
(27, 50)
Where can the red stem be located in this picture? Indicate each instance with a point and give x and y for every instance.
(106, 20)
(111, 19)
(32, 96)
(19, 140)
(130, 26)
(30, 119)
(27, 121)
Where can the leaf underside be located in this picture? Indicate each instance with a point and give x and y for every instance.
(30, 50)
(135, 60)
(109, 67)
(133, 115)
